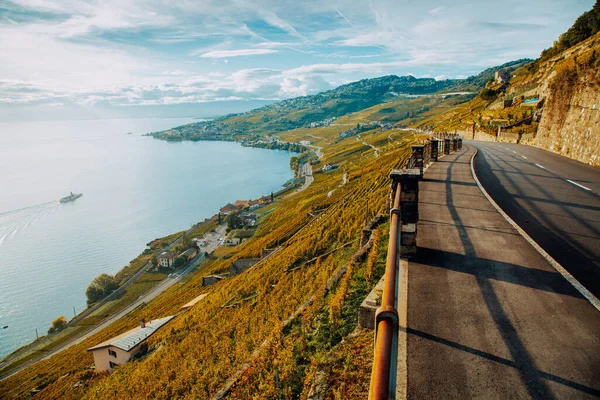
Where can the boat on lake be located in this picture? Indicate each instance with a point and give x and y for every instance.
(71, 197)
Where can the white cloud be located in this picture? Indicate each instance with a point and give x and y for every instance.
(176, 72)
(130, 52)
(237, 53)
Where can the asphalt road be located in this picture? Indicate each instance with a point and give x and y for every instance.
(487, 317)
(306, 172)
(554, 199)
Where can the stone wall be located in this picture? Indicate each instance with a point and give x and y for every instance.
(569, 86)
(576, 133)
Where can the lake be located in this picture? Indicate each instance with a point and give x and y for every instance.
(135, 189)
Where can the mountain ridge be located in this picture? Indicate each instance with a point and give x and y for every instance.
(301, 111)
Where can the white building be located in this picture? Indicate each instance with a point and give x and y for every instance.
(166, 259)
(118, 350)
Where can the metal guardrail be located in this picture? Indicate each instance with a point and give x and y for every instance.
(383, 375)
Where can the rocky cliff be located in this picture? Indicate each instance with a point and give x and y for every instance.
(570, 123)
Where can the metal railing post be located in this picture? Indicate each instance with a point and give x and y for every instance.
(434, 149)
(402, 243)
(418, 152)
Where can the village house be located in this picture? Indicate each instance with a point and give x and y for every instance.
(264, 200)
(305, 142)
(166, 259)
(240, 204)
(249, 219)
(189, 254)
(120, 349)
(252, 204)
(329, 167)
(227, 209)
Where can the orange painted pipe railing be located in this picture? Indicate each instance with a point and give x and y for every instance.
(383, 376)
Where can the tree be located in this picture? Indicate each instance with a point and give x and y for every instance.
(186, 242)
(271, 196)
(488, 94)
(101, 286)
(234, 220)
(58, 324)
(179, 261)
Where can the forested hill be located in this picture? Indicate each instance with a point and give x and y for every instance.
(586, 26)
(302, 111)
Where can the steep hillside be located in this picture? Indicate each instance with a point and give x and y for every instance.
(324, 108)
(551, 103)
(283, 316)
(570, 123)
(586, 26)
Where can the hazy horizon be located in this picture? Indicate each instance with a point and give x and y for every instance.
(82, 59)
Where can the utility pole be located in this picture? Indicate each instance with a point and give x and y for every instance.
(36, 334)
(74, 313)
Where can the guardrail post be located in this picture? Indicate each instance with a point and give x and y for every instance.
(446, 146)
(417, 154)
(403, 220)
(407, 181)
(433, 149)
(460, 143)
(454, 144)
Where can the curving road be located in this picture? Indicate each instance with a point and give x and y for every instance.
(556, 200)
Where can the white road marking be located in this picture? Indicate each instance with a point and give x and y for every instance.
(524, 157)
(541, 166)
(507, 148)
(577, 184)
(514, 152)
(580, 288)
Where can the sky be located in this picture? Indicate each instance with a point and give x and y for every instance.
(73, 58)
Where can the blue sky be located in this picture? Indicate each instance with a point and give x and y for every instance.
(71, 55)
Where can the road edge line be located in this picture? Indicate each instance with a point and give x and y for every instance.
(402, 349)
(555, 264)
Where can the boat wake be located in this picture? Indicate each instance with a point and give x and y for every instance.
(11, 222)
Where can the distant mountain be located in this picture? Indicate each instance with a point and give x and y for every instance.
(302, 111)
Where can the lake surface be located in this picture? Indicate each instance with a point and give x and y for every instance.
(135, 189)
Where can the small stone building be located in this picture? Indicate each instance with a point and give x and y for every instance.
(120, 349)
(241, 265)
(189, 254)
(211, 279)
(502, 76)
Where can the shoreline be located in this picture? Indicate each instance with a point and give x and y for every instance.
(45, 339)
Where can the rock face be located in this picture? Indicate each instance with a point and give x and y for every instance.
(570, 125)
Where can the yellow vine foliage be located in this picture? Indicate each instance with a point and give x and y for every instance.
(335, 310)
(373, 254)
(196, 353)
